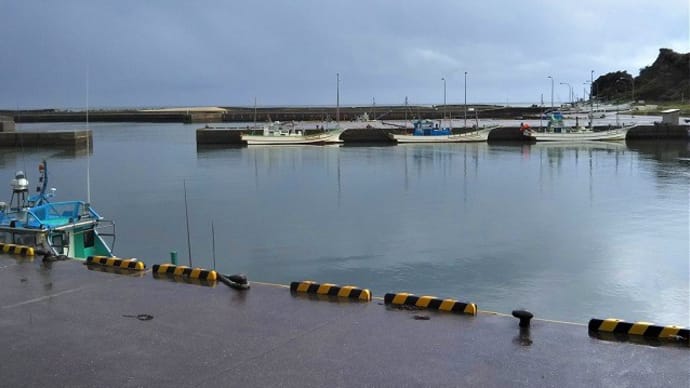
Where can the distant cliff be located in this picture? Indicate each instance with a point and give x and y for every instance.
(667, 79)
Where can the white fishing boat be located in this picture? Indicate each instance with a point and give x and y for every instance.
(425, 131)
(280, 134)
(277, 134)
(556, 131)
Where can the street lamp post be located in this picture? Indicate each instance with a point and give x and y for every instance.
(591, 109)
(373, 108)
(570, 89)
(444, 96)
(551, 90)
(594, 92)
(465, 99)
(337, 97)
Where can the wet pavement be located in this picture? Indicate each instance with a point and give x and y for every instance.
(66, 325)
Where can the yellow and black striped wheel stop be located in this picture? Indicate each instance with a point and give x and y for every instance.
(17, 249)
(351, 292)
(181, 270)
(430, 302)
(644, 329)
(133, 264)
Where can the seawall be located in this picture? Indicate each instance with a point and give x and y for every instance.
(75, 139)
(246, 114)
(210, 136)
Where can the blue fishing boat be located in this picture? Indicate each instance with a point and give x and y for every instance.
(71, 228)
(426, 131)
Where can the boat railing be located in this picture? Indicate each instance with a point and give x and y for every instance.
(60, 213)
(106, 229)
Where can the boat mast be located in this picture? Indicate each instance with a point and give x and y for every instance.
(254, 112)
(406, 112)
(88, 140)
(337, 99)
(591, 100)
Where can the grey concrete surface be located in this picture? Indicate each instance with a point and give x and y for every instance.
(64, 325)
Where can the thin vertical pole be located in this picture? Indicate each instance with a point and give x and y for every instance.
(254, 112)
(213, 245)
(186, 215)
(88, 138)
(373, 108)
(591, 100)
(337, 98)
(444, 97)
(465, 99)
(405, 111)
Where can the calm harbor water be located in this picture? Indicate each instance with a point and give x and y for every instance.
(568, 232)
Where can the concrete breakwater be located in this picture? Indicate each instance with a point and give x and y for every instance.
(9, 137)
(249, 114)
(357, 132)
(75, 139)
(212, 136)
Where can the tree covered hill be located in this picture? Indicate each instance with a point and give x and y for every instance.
(667, 79)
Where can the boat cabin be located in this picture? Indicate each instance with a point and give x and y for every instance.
(429, 128)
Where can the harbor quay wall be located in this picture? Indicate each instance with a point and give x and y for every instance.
(211, 136)
(659, 131)
(393, 112)
(6, 124)
(75, 139)
(51, 116)
(246, 114)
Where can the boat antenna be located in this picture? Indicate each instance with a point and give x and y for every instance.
(591, 100)
(88, 140)
(337, 99)
(405, 111)
(186, 216)
(254, 112)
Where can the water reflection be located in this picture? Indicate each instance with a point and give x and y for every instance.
(567, 231)
(16, 156)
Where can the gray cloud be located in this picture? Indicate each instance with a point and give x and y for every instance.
(213, 52)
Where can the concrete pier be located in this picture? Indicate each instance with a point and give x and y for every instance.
(65, 324)
(77, 138)
(658, 131)
(6, 124)
(264, 114)
(215, 136)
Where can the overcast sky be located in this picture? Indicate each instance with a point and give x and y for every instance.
(178, 53)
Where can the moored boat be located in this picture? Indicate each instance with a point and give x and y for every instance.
(70, 228)
(556, 131)
(425, 131)
(277, 134)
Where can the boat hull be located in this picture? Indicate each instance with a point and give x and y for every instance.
(468, 137)
(319, 138)
(609, 135)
